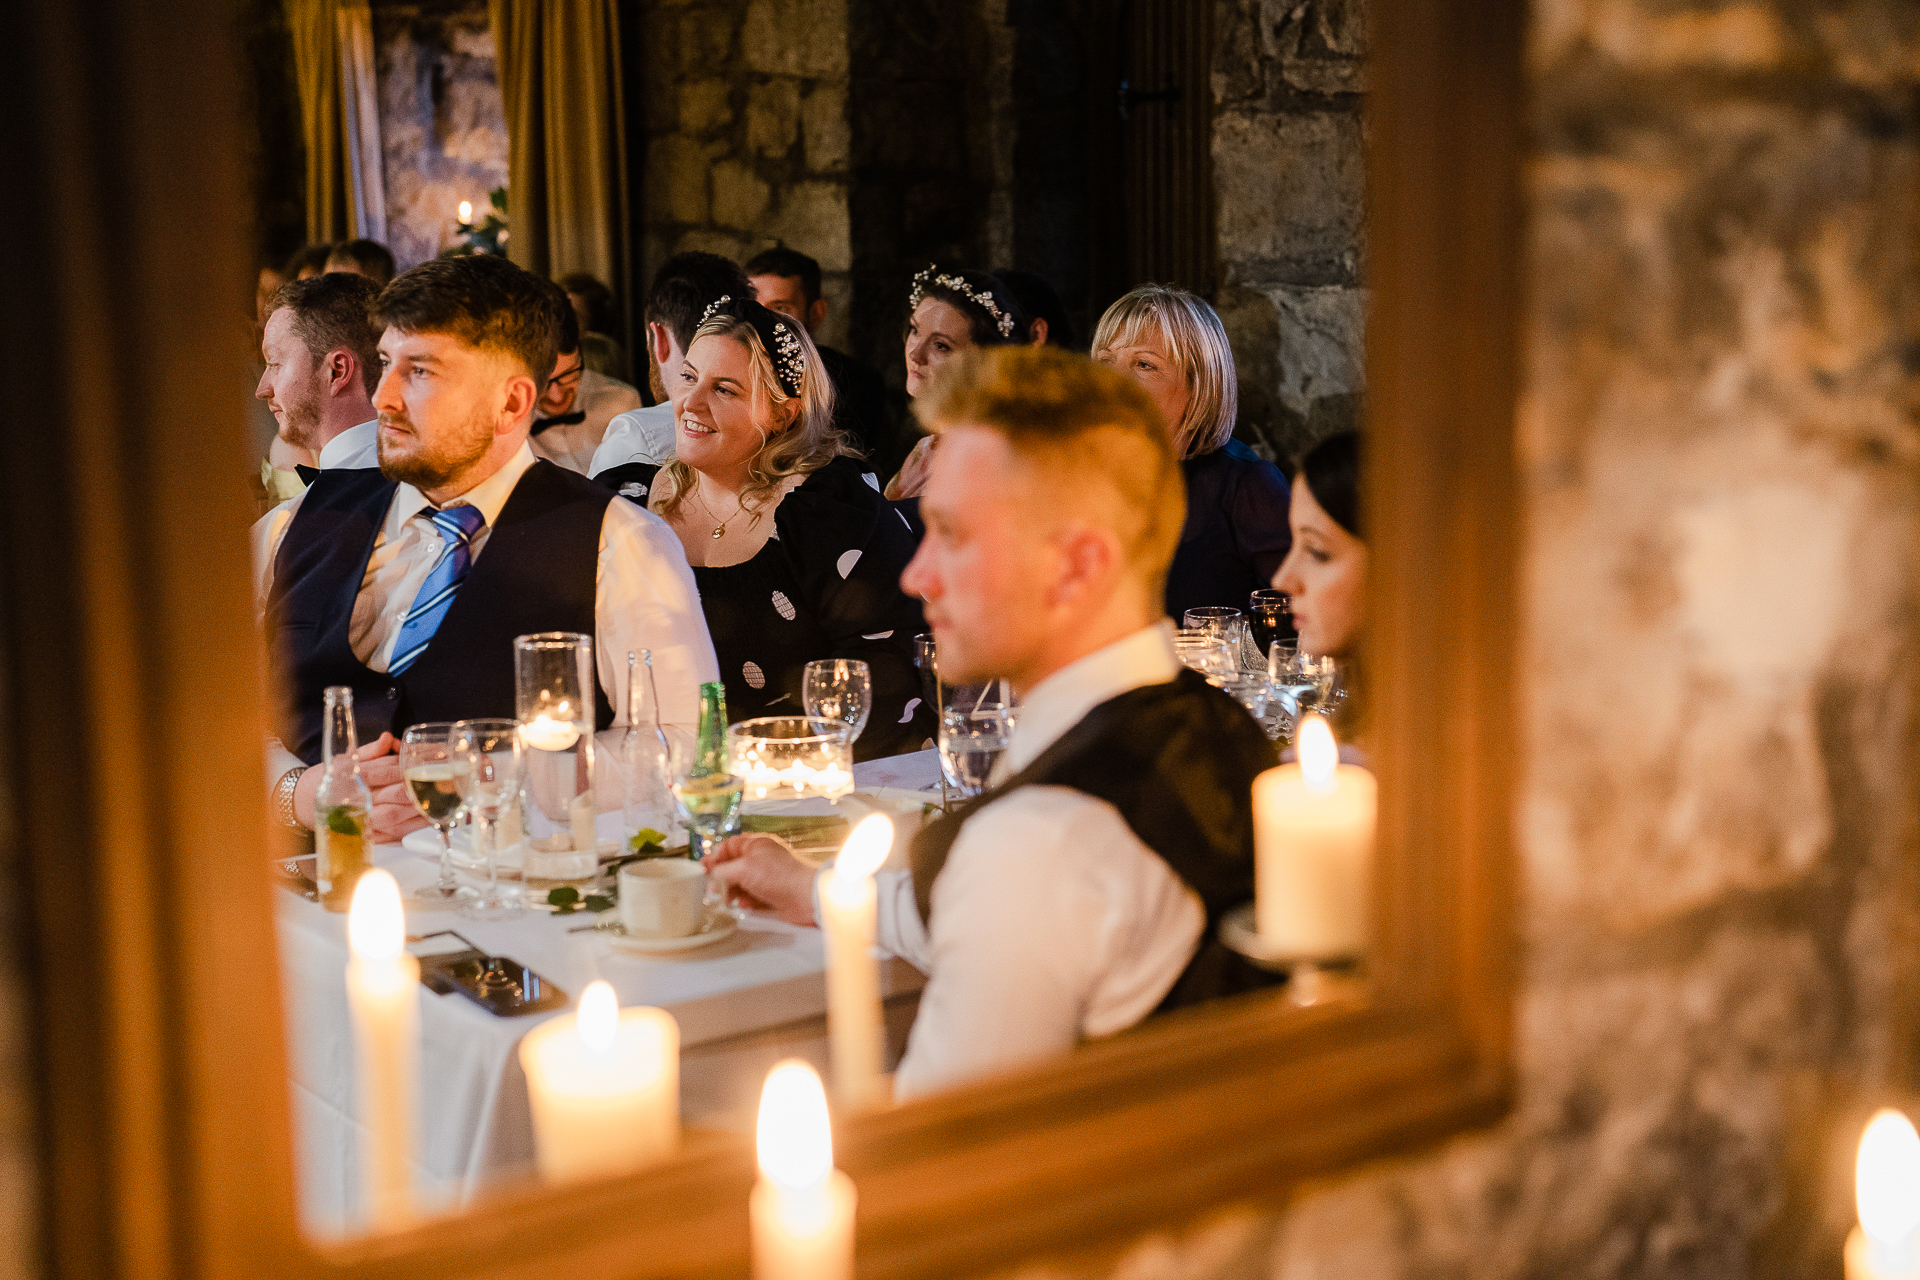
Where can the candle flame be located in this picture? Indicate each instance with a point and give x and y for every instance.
(466, 211)
(598, 1019)
(866, 848)
(546, 733)
(376, 923)
(1887, 1179)
(794, 1136)
(1319, 757)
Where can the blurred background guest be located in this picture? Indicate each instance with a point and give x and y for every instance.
(1048, 324)
(578, 404)
(948, 313)
(637, 443)
(307, 263)
(796, 554)
(367, 258)
(788, 281)
(593, 303)
(1173, 344)
(1326, 571)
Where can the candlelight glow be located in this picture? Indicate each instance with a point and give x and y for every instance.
(866, 848)
(1887, 1179)
(1319, 757)
(598, 1018)
(546, 733)
(466, 211)
(794, 1136)
(376, 924)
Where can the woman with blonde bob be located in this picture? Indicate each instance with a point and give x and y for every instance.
(796, 554)
(1173, 344)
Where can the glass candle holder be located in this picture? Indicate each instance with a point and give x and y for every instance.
(553, 700)
(791, 757)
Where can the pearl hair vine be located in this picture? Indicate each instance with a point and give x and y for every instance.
(1002, 320)
(789, 360)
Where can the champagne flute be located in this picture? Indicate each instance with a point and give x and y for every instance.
(489, 759)
(839, 689)
(427, 764)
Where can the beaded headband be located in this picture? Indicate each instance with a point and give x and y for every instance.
(776, 334)
(1002, 320)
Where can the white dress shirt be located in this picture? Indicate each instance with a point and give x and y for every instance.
(644, 596)
(358, 447)
(1052, 921)
(574, 444)
(638, 435)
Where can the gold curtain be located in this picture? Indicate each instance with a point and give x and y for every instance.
(316, 67)
(559, 70)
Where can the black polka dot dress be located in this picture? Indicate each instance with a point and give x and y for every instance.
(826, 585)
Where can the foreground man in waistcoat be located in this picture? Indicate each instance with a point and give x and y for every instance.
(409, 582)
(1080, 893)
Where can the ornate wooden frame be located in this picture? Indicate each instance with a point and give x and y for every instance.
(133, 693)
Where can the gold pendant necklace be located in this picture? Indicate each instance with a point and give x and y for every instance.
(720, 529)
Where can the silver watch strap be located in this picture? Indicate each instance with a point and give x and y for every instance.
(283, 798)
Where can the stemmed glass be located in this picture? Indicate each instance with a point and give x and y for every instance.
(839, 689)
(710, 806)
(1269, 618)
(976, 726)
(489, 761)
(427, 764)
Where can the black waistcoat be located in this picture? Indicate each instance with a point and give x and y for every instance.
(1178, 761)
(537, 572)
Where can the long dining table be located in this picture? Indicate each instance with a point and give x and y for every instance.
(741, 1003)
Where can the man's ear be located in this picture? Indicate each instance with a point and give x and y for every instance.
(816, 314)
(342, 371)
(518, 400)
(1037, 332)
(1090, 557)
(660, 342)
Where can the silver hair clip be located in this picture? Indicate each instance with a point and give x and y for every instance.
(1002, 320)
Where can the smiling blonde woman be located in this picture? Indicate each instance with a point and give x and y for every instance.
(1173, 344)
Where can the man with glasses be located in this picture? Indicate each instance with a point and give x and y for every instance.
(578, 403)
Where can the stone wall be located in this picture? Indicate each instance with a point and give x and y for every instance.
(1715, 826)
(1288, 84)
(443, 133)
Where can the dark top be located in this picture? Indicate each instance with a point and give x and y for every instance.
(1178, 761)
(1236, 533)
(826, 585)
(860, 408)
(536, 573)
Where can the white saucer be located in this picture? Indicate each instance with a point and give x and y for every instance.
(718, 924)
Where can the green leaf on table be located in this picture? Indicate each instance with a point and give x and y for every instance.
(340, 821)
(599, 902)
(565, 900)
(647, 840)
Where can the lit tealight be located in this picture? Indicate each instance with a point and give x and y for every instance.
(598, 1018)
(376, 922)
(552, 732)
(1319, 756)
(1886, 1189)
(466, 211)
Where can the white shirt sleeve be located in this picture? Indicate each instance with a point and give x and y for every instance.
(897, 927)
(645, 598)
(265, 538)
(1051, 923)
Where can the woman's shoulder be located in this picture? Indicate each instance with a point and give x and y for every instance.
(845, 482)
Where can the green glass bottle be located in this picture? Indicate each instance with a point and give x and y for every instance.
(710, 741)
(710, 794)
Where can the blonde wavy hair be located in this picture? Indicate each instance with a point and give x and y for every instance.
(808, 443)
(1191, 334)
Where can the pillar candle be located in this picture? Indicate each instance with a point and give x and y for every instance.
(854, 1026)
(801, 1210)
(383, 998)
(604, 1083)
(586, 836)
(1313, 827)
(1886, 1190)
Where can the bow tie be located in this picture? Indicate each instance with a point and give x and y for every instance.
(559, 420)
(307, 474)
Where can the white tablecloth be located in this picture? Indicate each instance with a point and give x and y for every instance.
(741, 1004)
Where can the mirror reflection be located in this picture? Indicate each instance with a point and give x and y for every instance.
(798, 609)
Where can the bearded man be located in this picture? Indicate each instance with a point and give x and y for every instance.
(408, 582)
(322, 364)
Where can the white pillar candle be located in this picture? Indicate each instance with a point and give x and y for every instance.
(604, 1083)
(854, 1025)
(586, 836)
(383, 997)
(801, 1210)
(1886, 1190)
(1313, 828)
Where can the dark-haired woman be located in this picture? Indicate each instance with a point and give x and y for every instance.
(949, 312)
(1326, 571)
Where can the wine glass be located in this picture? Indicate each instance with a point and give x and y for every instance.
(1211, 654)
(1269, 618)
(839, 689)
(976, 726)
(709, 804)
(427, 765)
(488, 762)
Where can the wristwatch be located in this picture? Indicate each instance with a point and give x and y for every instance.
(283, 799)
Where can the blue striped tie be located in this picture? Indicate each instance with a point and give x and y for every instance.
(457, 526)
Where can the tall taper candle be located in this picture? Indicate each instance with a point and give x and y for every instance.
(801, 1210)
(383, 996)
(1886, 1191)
(854, 1026)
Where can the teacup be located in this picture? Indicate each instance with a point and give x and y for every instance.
(662, 897)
